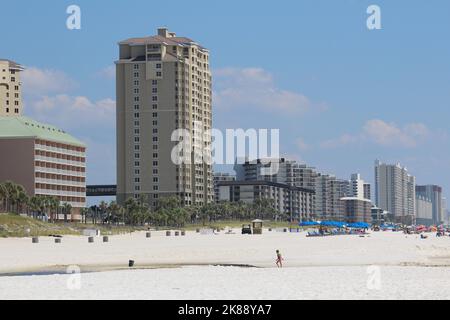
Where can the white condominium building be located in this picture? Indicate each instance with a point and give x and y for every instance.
(395, 191)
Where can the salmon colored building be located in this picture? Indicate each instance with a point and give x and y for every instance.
(43, 159)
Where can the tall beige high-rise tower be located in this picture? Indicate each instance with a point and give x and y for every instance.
(163, 84)
(10, 88)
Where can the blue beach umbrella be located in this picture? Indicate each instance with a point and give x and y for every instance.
(359, 225)
(308, 224)
(334, 224)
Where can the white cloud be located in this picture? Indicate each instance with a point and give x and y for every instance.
(255, 88)
(389, 134)
(383, 134)
(47, 98)
(74, 111)
(343, 140)
(44, 81)
(107, 73)
(301, 144)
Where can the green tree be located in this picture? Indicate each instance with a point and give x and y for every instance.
(67, 209)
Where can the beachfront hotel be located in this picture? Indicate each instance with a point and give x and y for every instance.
(294, 201)
(395, 191)
(357, 209)
(219, 177)
(327, 190)
(45, 160)
(10, 88)
(163, 83)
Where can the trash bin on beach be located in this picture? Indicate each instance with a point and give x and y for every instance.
(131, 263)
(91, 239)
(177, 233)
(58, 240)
(183, 233)
(105, 239)
(35, 240)
(148, 235)
(168, 233)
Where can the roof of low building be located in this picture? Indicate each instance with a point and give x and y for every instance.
(24, 127)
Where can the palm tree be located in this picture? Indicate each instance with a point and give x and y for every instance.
(3, 196)
(131, 208)
(9, 194)
(36, 204)
(23, 201)
(113, 210)
(52, 204)
(84, 212)
(13, 196)
(67, 209)
(103, 209)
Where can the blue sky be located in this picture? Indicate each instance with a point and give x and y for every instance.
(340, 94)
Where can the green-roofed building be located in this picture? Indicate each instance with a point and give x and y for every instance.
(44, 159)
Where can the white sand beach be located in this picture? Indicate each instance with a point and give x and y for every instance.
(315, 268)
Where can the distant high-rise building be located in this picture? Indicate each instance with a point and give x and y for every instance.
(358, 188)
(296, 202)
(424, 210)
(367, 191)
(10, 88)
(329, 192)
(163, 84)
(327, 188)
(218, 178)
(282, 170)
(434, 193)
(445, 211)
(395, 191)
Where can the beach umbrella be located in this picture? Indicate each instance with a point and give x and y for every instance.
(334, 224)
(308, 224)
(358, 225)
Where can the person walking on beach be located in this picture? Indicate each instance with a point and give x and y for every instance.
(279, 260)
